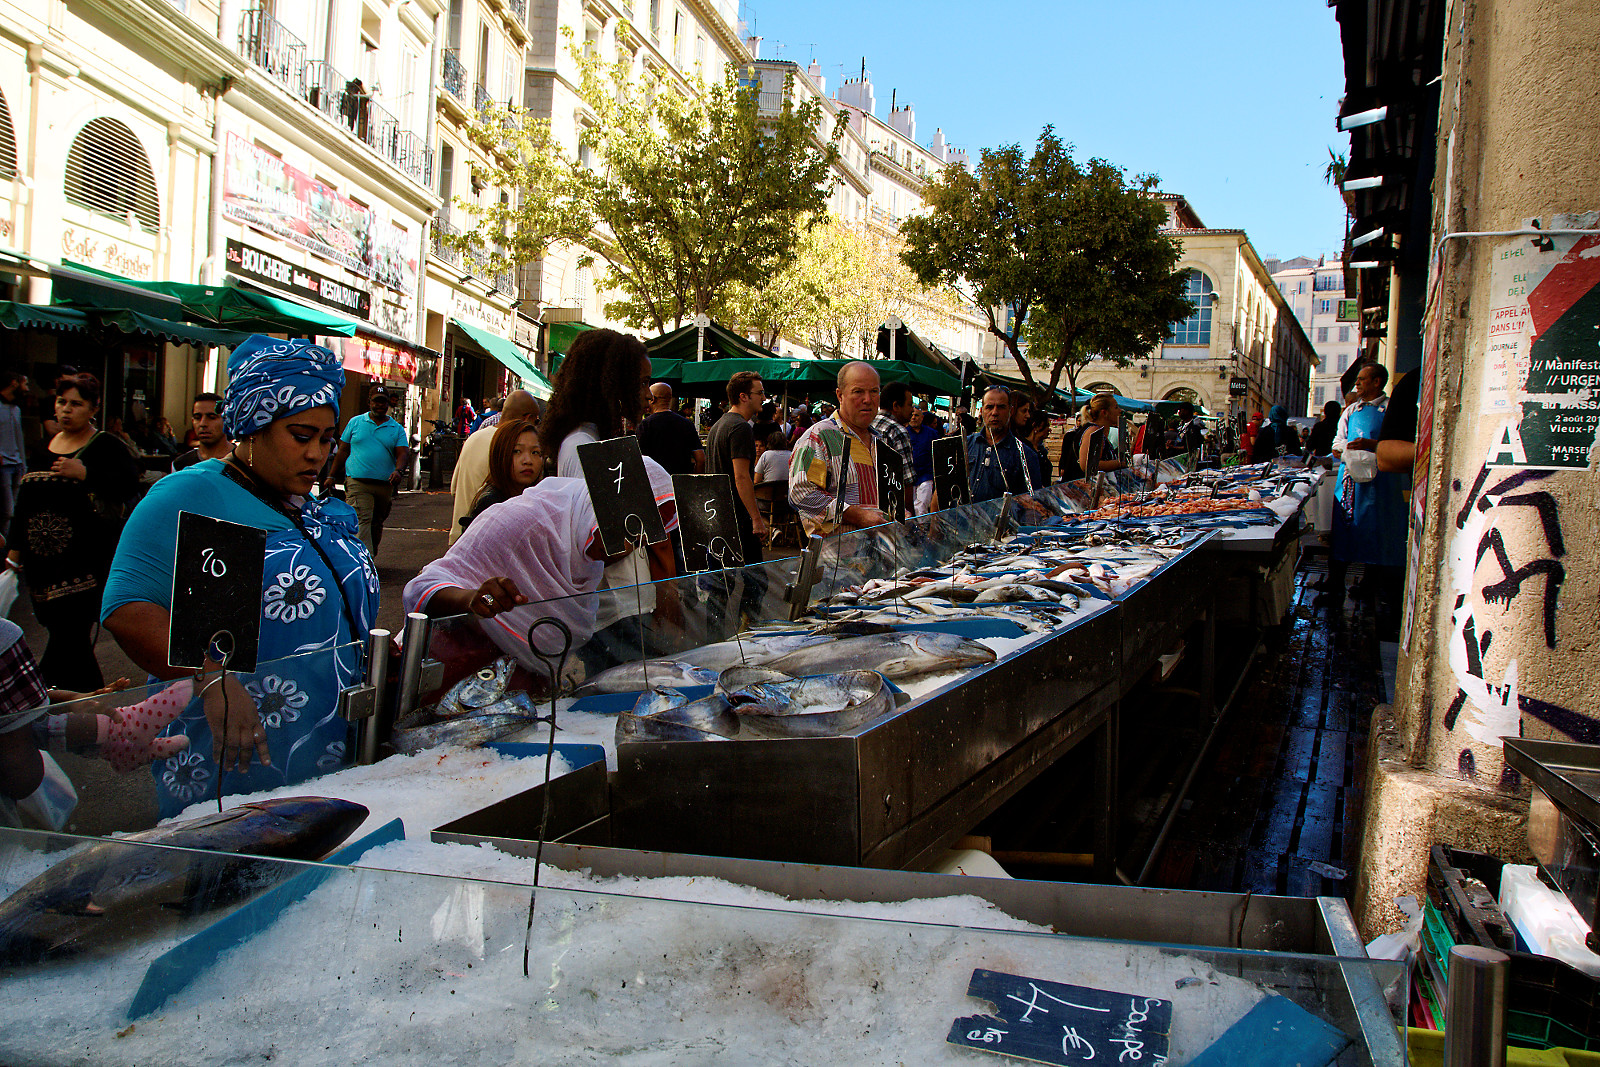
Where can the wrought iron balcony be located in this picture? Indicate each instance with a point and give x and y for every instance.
(264, 42)
(442, 228)
(480, 98)
(520, 9)
(504, 283)
(453, 77)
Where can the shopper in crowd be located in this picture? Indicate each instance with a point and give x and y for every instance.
(1369, 514)
(471, 472)
(68, 516)
(210, 432)
(731, 450)
(1088, 451)
(1397, 438)
(373, 452)
(998, 461)
(1326, 429)
(833, 473)
(516, 462)
(894, 403)
(466, 415)
(1191, 431)
(13, 451)
(765, 421)
(535, 556)
(319, 592)
(1274, 438)
(1021, 412)
(599, 393)
(669, 438)
(802, 423)
(490, 416)
(1038, 431)
(772, 465)
(922, 436)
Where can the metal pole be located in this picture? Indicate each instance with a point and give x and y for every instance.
(378, 679)
(415, 649)
(1475, 1007)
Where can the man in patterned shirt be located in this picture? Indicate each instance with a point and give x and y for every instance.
(833, 473)
(890, 426)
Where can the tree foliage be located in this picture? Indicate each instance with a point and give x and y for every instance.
(544, 204)
(1073, 251)
(697, 192)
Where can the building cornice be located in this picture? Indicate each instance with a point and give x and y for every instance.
(727, 36)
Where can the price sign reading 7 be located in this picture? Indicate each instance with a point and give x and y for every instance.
(619, 487)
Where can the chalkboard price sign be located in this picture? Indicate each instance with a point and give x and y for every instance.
(707, 522)
(1049, 1022)
(892, 478)
(950, 479)
(216, 592)
(624, 503)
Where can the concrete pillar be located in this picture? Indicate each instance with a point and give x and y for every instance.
(1504, 590)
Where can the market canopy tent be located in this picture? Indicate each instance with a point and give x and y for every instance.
(799, 377)
(911, 348)
(559, 337)
(683, 343)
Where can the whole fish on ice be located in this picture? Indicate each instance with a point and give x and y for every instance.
(898, 655)
(699, 666)
(114, 890)
(769, 703)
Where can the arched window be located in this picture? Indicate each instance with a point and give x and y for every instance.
(1183, 395)
(1196, 329)
(1102, 387)
(108, 173)
(8, 143)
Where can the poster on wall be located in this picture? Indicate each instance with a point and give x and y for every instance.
(1542, 366)
(394, 254)
(263, 191)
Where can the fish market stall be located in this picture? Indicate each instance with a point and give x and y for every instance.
(381, 964)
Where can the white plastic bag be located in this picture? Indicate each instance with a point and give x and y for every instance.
(1403, 943)
(1363, 466)
(8, 591)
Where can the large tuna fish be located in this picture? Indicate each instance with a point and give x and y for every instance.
(111, 890)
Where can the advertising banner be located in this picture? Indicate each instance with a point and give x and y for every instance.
(378, 360)
(262, 266)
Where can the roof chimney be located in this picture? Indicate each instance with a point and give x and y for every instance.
(754, 44)
(815, 71)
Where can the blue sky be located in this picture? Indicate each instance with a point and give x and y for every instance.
(1232, 103)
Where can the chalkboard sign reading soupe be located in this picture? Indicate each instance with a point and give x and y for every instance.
(1049, 1022)
(706, 521)
(950, 481)
(624, 503)
(216, 592)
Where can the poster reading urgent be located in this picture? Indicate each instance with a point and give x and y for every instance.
(1542, 366)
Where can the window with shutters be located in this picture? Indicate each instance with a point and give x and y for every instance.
(8, 143)
(109, 173)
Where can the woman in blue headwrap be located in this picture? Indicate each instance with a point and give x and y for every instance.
(319, 589)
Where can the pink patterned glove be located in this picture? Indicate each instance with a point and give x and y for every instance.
(129, 738)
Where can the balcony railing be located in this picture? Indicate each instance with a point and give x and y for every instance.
(480, 98)
(505, 283)
(442, 228)
(264, 42)
(344, 101)
(519, 8)
(454, 75)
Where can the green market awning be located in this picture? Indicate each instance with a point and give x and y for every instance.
(509, 355)
(800, 377)
(913, 349)
(227, 307)
(683, 343)
(15, 316)
(560, 335)
(170, 330)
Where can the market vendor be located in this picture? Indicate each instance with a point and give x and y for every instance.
(1000, 462)
(533, 556)
(833, 472)
(319, 591)
(1369, 515)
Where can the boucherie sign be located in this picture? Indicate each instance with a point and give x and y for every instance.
(262, 266)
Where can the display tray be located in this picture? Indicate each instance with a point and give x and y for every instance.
(365, 965)
(1564, 818)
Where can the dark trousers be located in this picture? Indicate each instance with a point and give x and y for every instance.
(68, 661)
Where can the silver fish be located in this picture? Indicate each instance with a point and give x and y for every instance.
(112, 890)
(772, 704)
(679, 668)
(1008, 593)
(668, 715)
(492, 723)
(478, 690)
(900, 655)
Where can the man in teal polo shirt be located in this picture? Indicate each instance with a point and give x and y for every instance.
(372, 453)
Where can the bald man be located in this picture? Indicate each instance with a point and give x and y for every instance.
(472, 466)
(669, 438)
(833, 471)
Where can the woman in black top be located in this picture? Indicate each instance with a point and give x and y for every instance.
(69, 516)
(1327, 427)
(1088, 450)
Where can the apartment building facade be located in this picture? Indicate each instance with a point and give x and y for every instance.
(1314, 289)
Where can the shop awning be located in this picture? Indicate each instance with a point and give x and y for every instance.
(512, 357)
(171, 330)
(226, 307)
(683, 343)
(560, 335)
(15, 316)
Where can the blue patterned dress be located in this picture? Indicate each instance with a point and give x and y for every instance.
(306, 653)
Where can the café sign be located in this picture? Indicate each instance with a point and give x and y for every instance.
(262, 266)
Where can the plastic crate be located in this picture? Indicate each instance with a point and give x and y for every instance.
(1426, 1048)
(1548, 1004)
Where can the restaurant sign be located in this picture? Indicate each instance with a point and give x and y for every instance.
(378, 359)
(262, 266)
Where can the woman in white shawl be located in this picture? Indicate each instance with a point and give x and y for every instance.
(536, 555)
